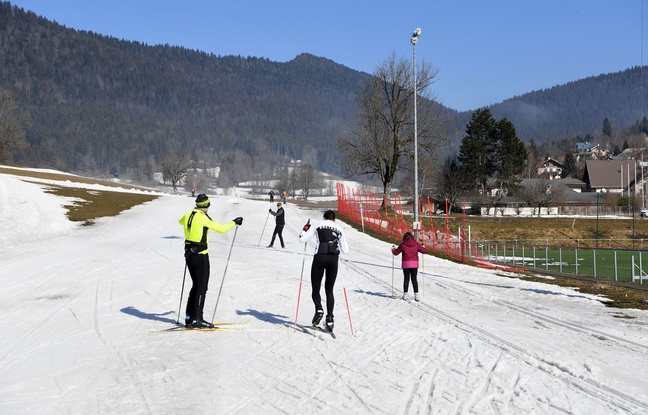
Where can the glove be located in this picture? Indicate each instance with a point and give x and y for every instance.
(307, 226)
(270, 210)
(238, 221)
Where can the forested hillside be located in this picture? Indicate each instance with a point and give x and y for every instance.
(100, 104)
(579, 107)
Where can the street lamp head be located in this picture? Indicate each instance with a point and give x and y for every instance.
(415, 35)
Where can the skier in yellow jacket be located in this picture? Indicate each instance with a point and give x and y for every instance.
(197, 224)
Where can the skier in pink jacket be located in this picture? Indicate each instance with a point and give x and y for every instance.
(410, 249)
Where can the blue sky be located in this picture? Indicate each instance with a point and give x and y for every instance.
(486, 51)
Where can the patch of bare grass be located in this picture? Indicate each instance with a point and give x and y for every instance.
(88, 204)
(93, 204)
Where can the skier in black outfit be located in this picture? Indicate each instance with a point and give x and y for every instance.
(330, 242)
(279, 225)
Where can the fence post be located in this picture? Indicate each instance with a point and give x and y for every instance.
(547, 257)
(594, 258)
(576, 259)
(523, 257)
(534, 256)
(560, 258)
(616, 269)
(640, 269)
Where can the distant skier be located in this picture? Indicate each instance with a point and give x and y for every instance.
(193, 192)
(330, 242)
(196, 225)
(279, 225)
(271, 194)
(410, 249)
(284, 195)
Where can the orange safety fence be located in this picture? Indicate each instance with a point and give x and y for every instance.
(372, 211)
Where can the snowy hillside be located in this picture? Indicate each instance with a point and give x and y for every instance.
(82, 308)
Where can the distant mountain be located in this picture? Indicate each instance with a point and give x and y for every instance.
(100, 104)
(578, 107)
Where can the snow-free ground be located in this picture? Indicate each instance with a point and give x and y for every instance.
(82, 308)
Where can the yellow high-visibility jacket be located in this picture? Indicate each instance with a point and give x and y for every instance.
(196, 225)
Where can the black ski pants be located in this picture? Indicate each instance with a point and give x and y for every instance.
(277, 231)
(410, 273)
(322, 263)
(198, 265)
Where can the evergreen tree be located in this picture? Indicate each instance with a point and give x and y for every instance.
(607, 127)
(511, 155)
(569, 165)
(492, 149)
(478, 147)
(643, 128)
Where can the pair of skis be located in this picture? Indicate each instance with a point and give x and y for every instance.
(218, 326)
(316, 328)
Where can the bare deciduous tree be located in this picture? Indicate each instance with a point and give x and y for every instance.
(451, 181)
(175, 166)
(307, 179)
(12, 124)
(381, 141)
(540, 193)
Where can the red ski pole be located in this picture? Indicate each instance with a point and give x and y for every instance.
(348, 310)
(346, 300)
(300, 280)
(300, 284)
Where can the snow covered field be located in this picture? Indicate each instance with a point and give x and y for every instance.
(81, 307)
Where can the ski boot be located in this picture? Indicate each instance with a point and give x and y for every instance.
(329, 324)
(201, 324)
(318, 317)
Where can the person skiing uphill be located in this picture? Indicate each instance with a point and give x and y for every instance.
(330, 242)
(410, 249)
(197, 224)
(279, 225)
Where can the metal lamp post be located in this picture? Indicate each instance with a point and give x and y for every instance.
(416, 225)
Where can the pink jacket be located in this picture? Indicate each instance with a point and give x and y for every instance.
(410, 249)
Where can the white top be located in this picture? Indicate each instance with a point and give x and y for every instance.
(326, 230)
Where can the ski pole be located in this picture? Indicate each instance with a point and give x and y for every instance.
(300, 283)
(263, 230)
(423, 269)
(346, 300)
(181, 293)
(393, 256)
(224, 272)
(348, 310)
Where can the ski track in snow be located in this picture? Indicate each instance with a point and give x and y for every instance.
(80, 309)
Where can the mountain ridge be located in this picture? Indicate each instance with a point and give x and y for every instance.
(103, 104)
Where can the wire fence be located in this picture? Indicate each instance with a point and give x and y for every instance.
(618, 259)
(619, 264)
